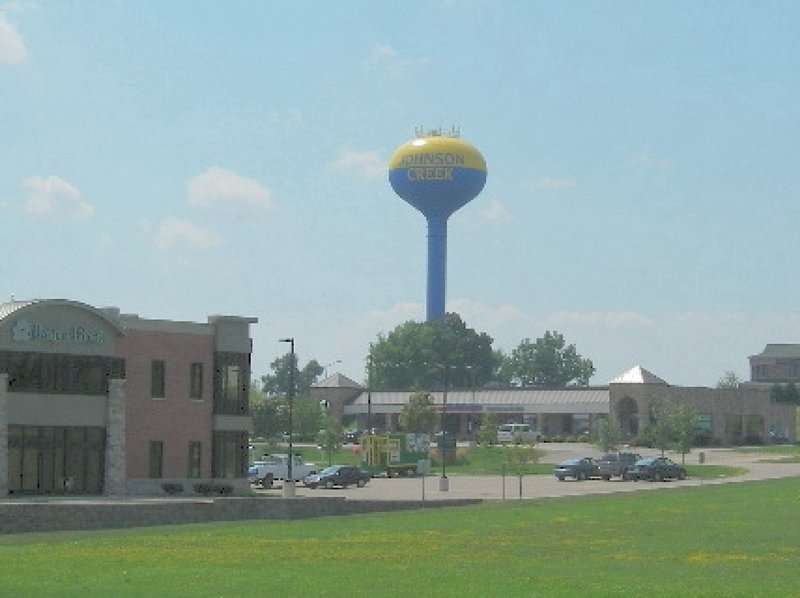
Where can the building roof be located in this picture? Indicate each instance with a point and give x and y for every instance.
(637, 375)
(507, 396)
(336, 381)
(780, 350)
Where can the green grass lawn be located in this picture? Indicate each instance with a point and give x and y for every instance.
(723, 540)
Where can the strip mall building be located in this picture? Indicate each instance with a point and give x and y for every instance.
(745, 414)
(93, 401)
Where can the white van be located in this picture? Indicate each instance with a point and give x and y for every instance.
(507, 433)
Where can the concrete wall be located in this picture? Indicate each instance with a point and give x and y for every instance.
(61, 515)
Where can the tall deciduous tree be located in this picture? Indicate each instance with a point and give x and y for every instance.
(548, 361)
(269, 414)
(418, 415)
(276, 383)
(424, 355)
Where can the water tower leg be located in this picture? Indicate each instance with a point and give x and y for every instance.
(437, 266)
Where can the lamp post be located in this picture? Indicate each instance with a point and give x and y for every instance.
(444, 483)
(323, 406)
(369, 391)
(288, 484)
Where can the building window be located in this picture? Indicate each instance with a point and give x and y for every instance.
(195, 455)
(230, 455)
(196, 381)
(156, 459)
(704, 421)
(59, 374)
(760, 371)
(794, 370)
(158, 381)
(231, 383)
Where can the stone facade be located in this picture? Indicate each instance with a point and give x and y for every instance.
(115, 461)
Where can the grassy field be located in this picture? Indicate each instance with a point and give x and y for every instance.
(723, 540)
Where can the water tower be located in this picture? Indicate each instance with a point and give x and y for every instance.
(437, 173)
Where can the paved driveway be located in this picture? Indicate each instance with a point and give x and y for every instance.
(540, 486)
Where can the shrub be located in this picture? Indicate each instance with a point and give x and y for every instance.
(172, 489)
(212, 489)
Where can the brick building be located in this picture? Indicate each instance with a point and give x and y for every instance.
(93, 401)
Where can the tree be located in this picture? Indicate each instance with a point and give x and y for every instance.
(684, 427)
(277, 382)
(415, 354)
(729, 380)
(330, 437)
(547, 362)
(790, 394)
(606, 433)
(268, 414)
(785, 393)
(660, 428)
(418, 415)
(306, 418)
(487, 432)
(520, 456)
(673, 424)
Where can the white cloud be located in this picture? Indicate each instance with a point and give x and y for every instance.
(12, 46)
(553, 184)
(646, 160)
(174, 232)
(495, 212)
(364, 165)
(53, 196)
(227, 190)
(384, 57)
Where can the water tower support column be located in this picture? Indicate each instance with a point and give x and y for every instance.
(437, 266)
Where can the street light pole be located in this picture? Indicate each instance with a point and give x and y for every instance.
(288, 484)
(369, 391)
(444, 483)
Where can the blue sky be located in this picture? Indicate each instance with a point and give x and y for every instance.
(179, 159)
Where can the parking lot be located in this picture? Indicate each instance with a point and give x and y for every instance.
(542, 486)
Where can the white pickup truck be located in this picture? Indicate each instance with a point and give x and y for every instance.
(276, 467)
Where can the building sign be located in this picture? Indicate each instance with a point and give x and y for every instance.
(25, 330)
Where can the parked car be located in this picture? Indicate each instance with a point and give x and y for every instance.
(616, 464)
(507, 433)
(338, 475)
(656, 469)
(580, 469)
